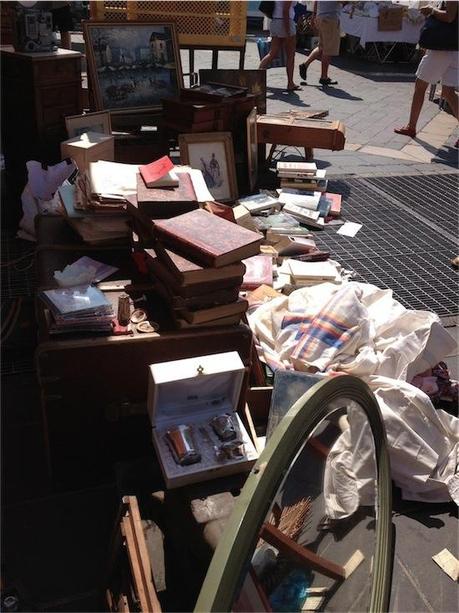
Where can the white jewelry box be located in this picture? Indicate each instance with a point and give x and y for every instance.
(192, 392)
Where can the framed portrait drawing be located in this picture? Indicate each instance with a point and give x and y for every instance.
(132, 65)
(89, 122)
(252, 148)
(213, 154)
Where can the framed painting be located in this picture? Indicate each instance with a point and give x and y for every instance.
(213, 154)
(252, 148)
(89, 122)
(254, 80)
(132, 65)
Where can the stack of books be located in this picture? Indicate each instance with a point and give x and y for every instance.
(310, 205)
(197, 267)
(96, 225)
(83, 308)
(259, 203)
(302, 176)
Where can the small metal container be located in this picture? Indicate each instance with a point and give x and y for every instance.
(224, 427)
(181, 443)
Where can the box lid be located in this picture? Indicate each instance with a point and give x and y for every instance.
(88, 139)
(208, 384)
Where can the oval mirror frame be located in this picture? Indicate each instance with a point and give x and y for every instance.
(238, 540)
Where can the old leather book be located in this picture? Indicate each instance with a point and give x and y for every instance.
(195, 303)
(218, 312)
(161, 272)
(160, 203)
(208, 239)
(186, 271)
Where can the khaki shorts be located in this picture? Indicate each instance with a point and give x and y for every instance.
(329, 35)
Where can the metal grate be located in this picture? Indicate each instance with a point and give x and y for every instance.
(397, 247)
(436, 198)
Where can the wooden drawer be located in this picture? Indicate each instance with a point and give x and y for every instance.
(57, 71)
(55, 114)
(60, 96)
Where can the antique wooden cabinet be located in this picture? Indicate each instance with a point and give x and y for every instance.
(38, 91)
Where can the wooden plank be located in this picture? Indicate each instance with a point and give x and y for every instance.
(299, 554)
(251, 428)
(136, 522)
(135, 564)
(123, 605)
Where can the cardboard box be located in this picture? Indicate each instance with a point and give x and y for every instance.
(89, 147)
(390, 19)
(192, 392)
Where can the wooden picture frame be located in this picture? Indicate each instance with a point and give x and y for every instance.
(213, 154)
(89, 122)
(252, 148)
(132, 65)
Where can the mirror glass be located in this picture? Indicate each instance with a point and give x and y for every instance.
(316, 545)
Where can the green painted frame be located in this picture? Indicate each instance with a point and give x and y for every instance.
(241, 532)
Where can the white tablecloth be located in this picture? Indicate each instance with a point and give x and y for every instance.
(366, 28)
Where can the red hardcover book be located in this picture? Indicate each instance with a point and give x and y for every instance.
(156, 173)
(259, 272)
(208, 239)
(335, 202)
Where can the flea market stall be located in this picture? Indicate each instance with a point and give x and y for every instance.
(382, 29)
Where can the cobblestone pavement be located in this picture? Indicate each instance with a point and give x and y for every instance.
(371, 99)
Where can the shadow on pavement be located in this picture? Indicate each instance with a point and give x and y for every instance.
(336, 92)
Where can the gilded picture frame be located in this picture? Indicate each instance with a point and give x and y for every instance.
(132, 65)
(88, 122)
(213, 154)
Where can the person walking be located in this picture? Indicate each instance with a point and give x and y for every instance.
(283, 34)
(326, 20)
(439, 64)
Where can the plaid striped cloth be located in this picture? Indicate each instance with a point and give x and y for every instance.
(333, 329)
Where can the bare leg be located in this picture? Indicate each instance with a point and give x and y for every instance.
(273, 53)
(290, 48)
(417, 102)
(325, 60)
(66, 40)
(416, 106)
(316, 54)
(450, 95)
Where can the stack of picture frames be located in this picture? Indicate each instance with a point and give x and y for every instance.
(133, 67)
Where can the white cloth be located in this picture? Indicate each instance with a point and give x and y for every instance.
(441, 66)
(366, 28)
(386, 345)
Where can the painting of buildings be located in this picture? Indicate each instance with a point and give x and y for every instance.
(132, 65)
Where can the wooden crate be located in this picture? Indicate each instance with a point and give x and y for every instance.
(199, 23)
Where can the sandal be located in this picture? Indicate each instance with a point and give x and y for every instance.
(406, 131)
(295, 88)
